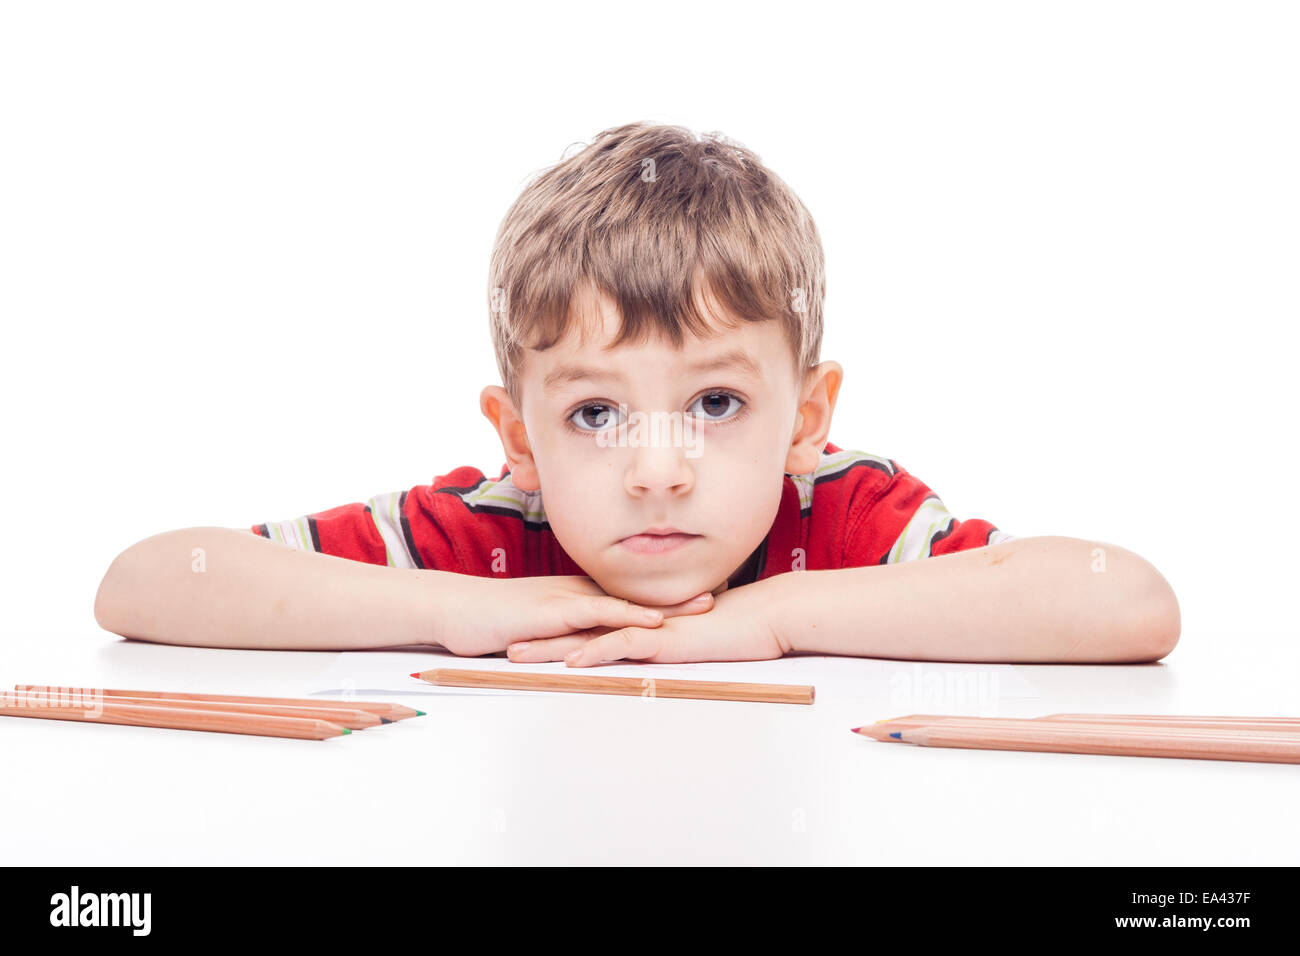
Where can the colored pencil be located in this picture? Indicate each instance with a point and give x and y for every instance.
(176, 718)
(1107, 720)
(629, 686)
(1177, 719)
(352, 719)
(378, 708)
(1032, 734)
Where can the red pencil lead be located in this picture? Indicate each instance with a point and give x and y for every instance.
(415, 674)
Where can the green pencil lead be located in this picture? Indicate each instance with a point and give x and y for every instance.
(419, 713)
(346, 730)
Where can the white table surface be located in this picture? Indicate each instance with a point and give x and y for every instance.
(564, 778)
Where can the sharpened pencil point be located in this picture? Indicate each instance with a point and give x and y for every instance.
(897, 735)
(346, 730)
(419, 713)
(384, 720)
(416, 674)
(855, 730)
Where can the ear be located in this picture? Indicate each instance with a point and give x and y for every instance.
(812, 422)
(500, 410)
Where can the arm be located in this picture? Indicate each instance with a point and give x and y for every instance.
(1031, 600)
(227, 587)
(222, 587)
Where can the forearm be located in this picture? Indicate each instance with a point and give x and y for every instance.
(1044, 599)
(219, 587)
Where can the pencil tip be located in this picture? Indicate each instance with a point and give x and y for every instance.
(419, 713)
(897, 735)
(855, 730)
(384, 720)
(346, 731)
(416, 674)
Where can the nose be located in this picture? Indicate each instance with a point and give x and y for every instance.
(658, 470)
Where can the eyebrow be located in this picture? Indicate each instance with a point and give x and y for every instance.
(735, 360)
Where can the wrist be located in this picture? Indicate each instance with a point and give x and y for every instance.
(786, 608)
(434, 597)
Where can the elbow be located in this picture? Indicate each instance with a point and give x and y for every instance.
(1138, 622)
(1157, 623)
(106, 598)
(116, 601)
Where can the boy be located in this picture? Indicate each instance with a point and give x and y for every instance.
(656, 309)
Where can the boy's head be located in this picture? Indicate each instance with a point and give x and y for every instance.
(656, 309)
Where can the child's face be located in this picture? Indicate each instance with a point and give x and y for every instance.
(702, 451)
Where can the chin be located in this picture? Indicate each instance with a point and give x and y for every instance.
(655, 594)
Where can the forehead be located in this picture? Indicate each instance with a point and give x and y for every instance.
(754, 350)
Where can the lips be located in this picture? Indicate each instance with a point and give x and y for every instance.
(657, 540)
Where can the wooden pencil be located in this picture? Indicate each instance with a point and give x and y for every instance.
(629, 686)
(378, 708)
(1115, 742)
(1178, 719)
(1108, 720)
(350, 718)
(1108, 739)
(176, 718)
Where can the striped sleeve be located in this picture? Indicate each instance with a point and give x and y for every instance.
(905, 521)
(378, 531)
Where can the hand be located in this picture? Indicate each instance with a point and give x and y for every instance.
(478, 615)
(738, 628)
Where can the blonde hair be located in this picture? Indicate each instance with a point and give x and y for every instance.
(653, 217)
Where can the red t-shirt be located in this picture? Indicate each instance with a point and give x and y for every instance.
(854, 510)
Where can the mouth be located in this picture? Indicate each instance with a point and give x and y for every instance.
(658, 541)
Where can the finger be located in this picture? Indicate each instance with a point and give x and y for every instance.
(628, 643)
(546, 649)
(604, 610)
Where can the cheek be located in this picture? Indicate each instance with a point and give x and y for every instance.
(740, 491)
(750, 459)
(558, 460)
(575, 492)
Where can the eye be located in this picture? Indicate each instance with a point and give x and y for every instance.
(718, 406)
(594, 417)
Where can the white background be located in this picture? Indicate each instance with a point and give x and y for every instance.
(244, 246)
